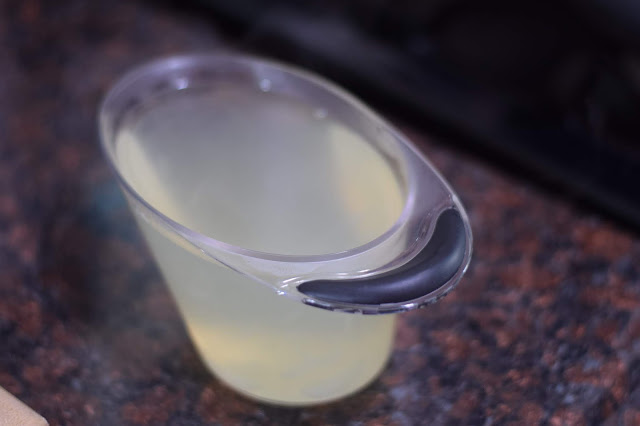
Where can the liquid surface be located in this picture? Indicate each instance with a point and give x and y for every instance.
(261, 172)
(258, 171)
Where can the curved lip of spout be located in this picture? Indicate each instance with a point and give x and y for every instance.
(429, 275)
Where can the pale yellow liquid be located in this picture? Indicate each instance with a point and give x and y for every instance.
(262, 172)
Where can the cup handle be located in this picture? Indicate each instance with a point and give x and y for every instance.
(430, 269)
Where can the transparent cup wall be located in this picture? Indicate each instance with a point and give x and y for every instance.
(242, 308)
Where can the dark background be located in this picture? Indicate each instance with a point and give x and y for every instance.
(544, 328)
(548, 88)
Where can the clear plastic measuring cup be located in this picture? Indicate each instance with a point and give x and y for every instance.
(285, 216)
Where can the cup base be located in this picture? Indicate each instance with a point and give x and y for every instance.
(303, 401)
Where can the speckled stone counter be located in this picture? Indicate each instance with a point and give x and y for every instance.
(544, 329)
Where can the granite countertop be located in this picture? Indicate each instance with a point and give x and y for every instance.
(544, 328)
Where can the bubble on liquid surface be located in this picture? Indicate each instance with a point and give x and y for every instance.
(265, 84)
(181, 83)
(320, 113)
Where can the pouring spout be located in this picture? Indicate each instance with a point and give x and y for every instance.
(431, 269)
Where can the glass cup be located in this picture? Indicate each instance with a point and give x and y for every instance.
(289, 220)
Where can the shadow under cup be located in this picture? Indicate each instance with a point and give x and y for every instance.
(246, 179)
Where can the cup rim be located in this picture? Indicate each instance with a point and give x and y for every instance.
(165, 64)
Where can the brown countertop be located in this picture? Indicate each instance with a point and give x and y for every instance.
(544, 328)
